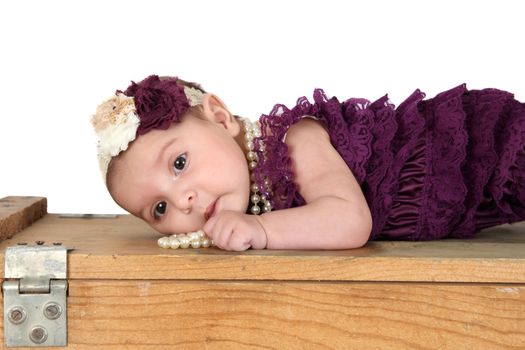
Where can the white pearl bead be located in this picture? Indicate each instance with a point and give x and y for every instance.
(196, 244)
(253, 165)
(201, 234)
(174, 243)
(255, 188)
(251, 156)
(267, 208)
(194, 236)
(164, 242)
(255, 198)
(206, 243)
(255, 210)
(184, 242)
(249, 145)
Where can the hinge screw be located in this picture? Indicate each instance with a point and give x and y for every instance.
(38, 335)
(52, 310)
(17, 315)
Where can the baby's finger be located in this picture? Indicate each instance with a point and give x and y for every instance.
(238, 242)
(208, 227)
(231, 238)
(214, 228)
(222, 234)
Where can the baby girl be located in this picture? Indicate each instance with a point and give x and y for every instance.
(321, 175)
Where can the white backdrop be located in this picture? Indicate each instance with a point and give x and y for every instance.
(60, 59)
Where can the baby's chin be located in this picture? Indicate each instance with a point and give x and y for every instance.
(176, 232)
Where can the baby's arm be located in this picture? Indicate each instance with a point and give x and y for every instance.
(336, 215)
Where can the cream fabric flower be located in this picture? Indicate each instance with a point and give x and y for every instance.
(116, 125)
(193, 95)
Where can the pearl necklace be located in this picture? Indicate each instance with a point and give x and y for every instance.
(252, 131)
(199, 239)
(185, 240)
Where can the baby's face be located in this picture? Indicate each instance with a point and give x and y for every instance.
(176, 179)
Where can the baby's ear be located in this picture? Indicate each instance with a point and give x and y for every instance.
(216, 111)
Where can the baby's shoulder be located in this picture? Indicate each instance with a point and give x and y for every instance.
(307, 130)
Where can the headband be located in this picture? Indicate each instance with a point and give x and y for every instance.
(154, 103)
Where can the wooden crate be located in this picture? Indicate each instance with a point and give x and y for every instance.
(126, 293)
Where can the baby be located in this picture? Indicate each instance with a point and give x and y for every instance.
(322, 175)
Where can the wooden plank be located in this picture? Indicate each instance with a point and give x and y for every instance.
(109, 314)
(17, 213)
(126, 248)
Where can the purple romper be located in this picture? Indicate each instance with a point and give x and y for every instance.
(448, 166)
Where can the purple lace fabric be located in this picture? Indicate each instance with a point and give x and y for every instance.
(448, 166)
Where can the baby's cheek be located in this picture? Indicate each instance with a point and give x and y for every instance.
(163, 231)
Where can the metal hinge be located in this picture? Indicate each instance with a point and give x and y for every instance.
(35, 291)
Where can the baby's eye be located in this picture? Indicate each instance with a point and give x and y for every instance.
(160, 209)
(179, 163)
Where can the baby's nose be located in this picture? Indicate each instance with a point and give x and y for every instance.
(185, 201)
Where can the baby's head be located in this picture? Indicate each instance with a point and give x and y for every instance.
(172, 154)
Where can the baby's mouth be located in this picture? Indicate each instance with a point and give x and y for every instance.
(210, 211)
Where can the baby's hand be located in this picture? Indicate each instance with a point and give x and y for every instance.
(231, 230)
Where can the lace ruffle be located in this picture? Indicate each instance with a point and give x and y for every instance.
(482, 109)
(349, 125)
(392, 152)
(446, 166)
(507, 185)
(444, 188)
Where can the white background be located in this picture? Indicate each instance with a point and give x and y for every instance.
(60, 59)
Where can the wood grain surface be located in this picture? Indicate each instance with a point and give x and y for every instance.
(126, 248)
(16, 213)
(294, 315)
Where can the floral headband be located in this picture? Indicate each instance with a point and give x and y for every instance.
(154, 103)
